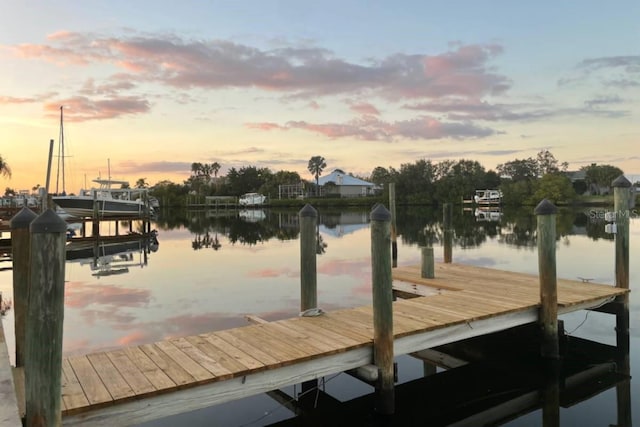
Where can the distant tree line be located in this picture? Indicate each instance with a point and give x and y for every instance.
(522, 181)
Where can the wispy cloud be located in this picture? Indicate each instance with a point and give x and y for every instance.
(299, 71)
(83, 108)
(373, 129)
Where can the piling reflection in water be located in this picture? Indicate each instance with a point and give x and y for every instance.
(497, 378)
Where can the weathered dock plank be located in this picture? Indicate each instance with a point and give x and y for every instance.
(220, 366)
(9, 415)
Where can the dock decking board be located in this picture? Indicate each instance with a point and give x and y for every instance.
(471, 294)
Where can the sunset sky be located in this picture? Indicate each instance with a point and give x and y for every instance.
(150, 87)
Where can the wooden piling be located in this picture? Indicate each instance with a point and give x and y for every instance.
(621, 189)
(382, 308)
(20, 253)
(621, 205)
(45, 313)
(427, 265)
(394, 234)
(95, 232)
(548, 317)
(447, 224)
(308, 275)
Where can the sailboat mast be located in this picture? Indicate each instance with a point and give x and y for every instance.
(61, 156)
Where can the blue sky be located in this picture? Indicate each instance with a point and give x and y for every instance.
(156, 85)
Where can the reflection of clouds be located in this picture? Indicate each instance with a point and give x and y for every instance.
(273, 272)
(135, 337)
(106, 316)
(340, 267)
(81, 294)
(138, 332)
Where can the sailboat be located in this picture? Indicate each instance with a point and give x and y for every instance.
(111, 198)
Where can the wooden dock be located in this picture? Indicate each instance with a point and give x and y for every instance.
(135, 384)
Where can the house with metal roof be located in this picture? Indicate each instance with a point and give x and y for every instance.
(341, 184)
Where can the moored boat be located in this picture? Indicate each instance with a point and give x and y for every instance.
(488, 197)
(252, 199)
(107, 200)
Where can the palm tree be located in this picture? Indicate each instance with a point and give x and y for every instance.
(215, 167)
(196, 168)
(142, 183)
(316, 165)
(4, 168)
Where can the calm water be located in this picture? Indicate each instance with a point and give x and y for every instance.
(209, 271)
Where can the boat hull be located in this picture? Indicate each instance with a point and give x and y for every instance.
(81, 207)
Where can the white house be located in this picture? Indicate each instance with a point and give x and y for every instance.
(346, 185)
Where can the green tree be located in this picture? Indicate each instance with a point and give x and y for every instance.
(547, 163)
(415, 182)
(553, 186)
(215, 168)
(5, 170)
(599, 177)
(247, 179)
(380, 176)
(316, 166)
(519, 169)
(273, 181)
(142, 183)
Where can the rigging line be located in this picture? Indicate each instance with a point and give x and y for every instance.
(586, 316)
(279, 406)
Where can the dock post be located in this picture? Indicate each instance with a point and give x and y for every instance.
(394, 233)
(308, 275)
(20, 252)
(427, 264)
(447, 214)
(548, 317)
(95, 232)
(45, 314)
(381, 280)
(621, 197)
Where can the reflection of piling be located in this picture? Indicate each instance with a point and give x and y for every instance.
(394, 234)
(20, 252)
(382, 308)
(45, 313)
(447, 214)
(621, 195)
(548, 317)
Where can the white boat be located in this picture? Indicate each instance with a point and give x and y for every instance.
(488, 214)
(107, 200)
(252, 199)
(488, 197)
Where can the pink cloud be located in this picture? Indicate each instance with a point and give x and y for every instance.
(363, 108)
(371, 128)
(265, 126)
(82, 108)
(301, 72)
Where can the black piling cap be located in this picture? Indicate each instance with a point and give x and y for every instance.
(308, 211)
(545, 207)
(48, 222)
(621, 181)
(380, 213)
(22, 219)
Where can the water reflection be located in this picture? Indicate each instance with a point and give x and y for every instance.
(239, 267)
(112, 255)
